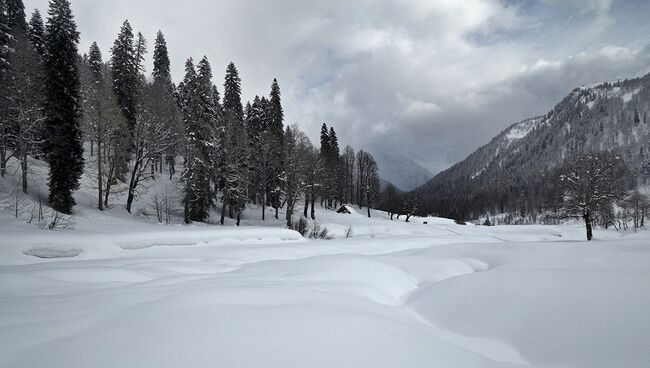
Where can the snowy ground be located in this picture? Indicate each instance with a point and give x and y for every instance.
(120, 291)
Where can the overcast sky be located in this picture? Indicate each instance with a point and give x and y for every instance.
(433, 79)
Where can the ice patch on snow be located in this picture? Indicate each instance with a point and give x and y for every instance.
(53, 252)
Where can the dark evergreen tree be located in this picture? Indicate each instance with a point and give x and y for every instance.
(324, 142)
(5, 51)
(140, 52)
(253, 128)
(163, 82)
(124, 65)
(338, 170)
(334, 153)
(16, 15)
(5, 37)
(200, 115)
(64, 148)
(161, 64)
(235, 147)
(95, 63)
(276, 122)
(232, 104)
(36, 32)
(275, 125)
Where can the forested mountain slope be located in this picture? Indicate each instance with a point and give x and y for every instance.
(511, 173)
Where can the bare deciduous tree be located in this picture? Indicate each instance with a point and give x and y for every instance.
(151, 138)
(590, 185)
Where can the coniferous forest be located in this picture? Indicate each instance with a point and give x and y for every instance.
(103, 115)
(64, 105)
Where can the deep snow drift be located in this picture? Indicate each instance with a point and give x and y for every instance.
(120, 291)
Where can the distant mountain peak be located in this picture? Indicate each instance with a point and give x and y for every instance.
(401, 171)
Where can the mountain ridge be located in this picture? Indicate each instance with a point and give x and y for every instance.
(506, 174)
(401, 171)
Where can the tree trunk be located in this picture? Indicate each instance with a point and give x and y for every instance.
(109, 179)
(100, 181)
(264, 206)
(643, 217)
(306, 210)
(132, 184)
(587, 217)
(223, 210)
(3, 162)
(23, 167)
(368, 210)
(92, 143)
(186, 207)
(289, 215)
(289, 211)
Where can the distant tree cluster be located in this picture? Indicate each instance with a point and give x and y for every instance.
(221, 153)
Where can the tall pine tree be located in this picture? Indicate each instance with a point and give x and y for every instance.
(64, 148)
(5, 51)
(161, 64)
(275, 125)
(124, 64)
(235, 147)
(5, 37)
(199, 112)
(165, 90)
(16, 15)
(232, 104)
(36, 32)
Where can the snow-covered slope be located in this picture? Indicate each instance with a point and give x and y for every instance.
(121, 290)
(395, 294)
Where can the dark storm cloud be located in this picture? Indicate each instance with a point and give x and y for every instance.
(431, 78)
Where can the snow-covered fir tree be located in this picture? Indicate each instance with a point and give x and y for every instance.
(275, 118)
(125, 67)
(16, 15)
(5, 51)
(199, 115)
(234, 148)
(161, 64)
(164, 90)
(36, 32)
(64, 147)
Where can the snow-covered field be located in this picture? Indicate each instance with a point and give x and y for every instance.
(120, 291)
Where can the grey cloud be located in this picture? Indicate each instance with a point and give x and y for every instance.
(431, 78)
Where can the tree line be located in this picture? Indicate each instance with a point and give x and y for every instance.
(64, 108)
